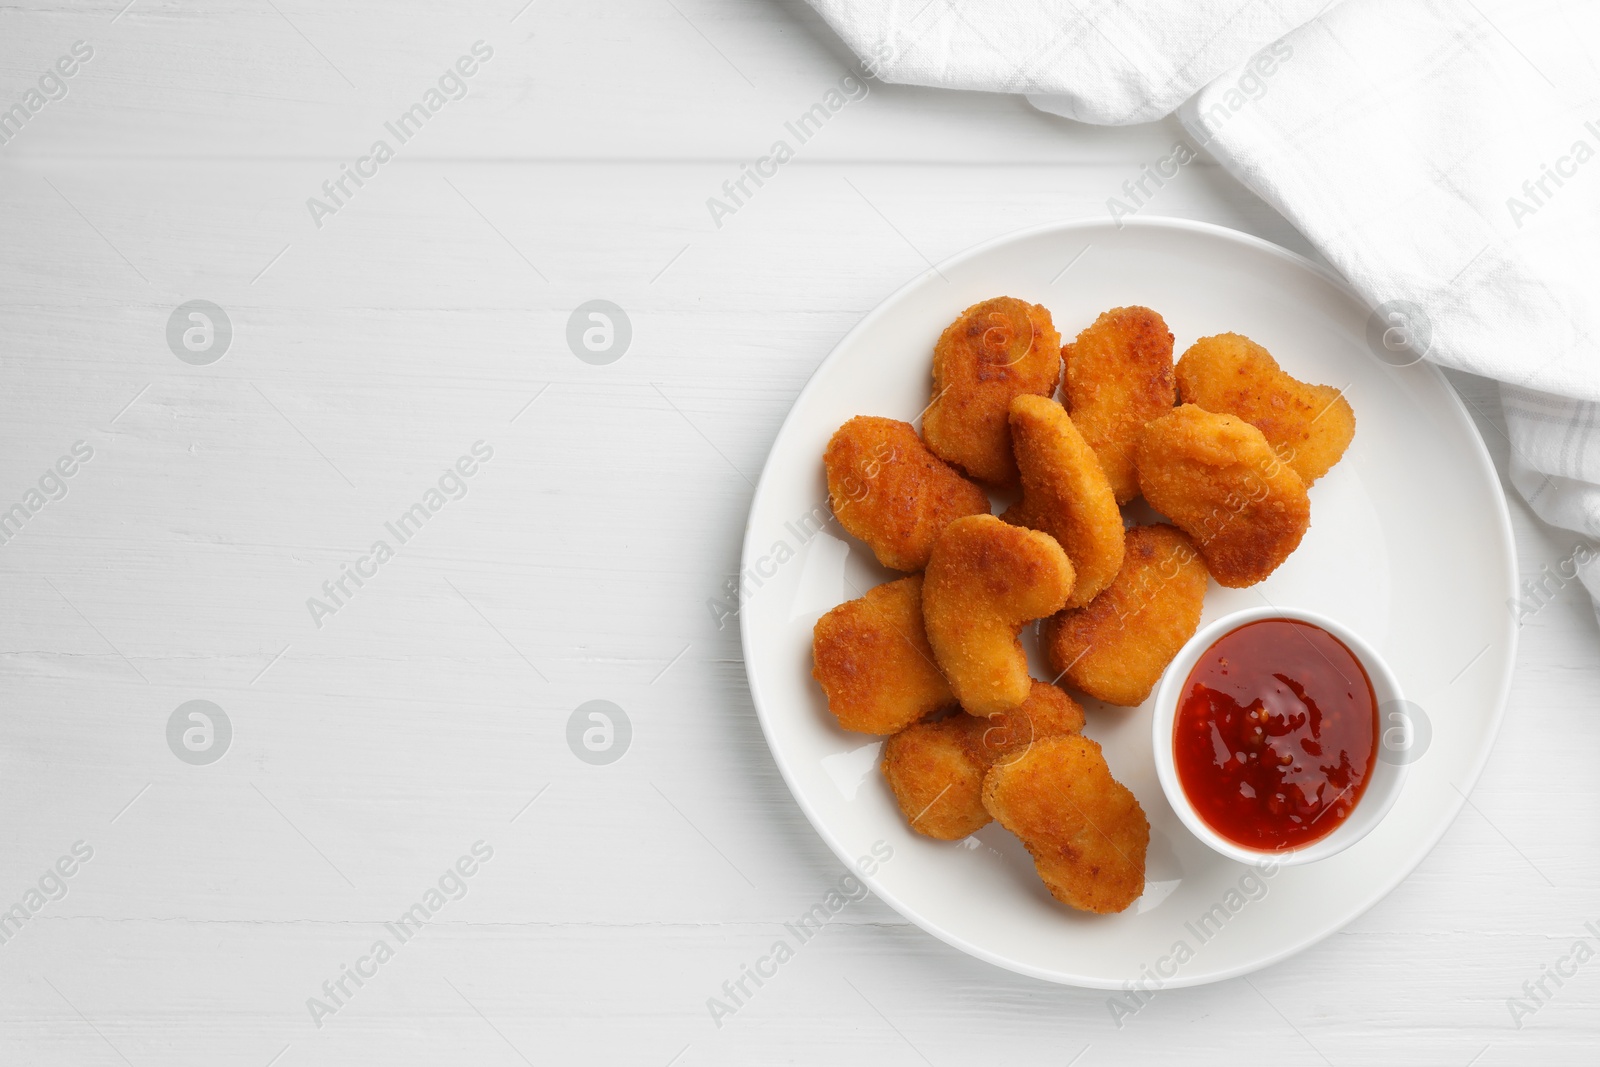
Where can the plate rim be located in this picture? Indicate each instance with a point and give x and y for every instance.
(1480, 454)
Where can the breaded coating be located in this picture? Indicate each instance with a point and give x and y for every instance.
(1117, 647)
(984, 580)
(1218, 480)
(1085, 830)
(995, 352)
(1309, 426)
(891, 492)
(937, 777)
(936, 768)
(872, 657)
(1065, 494)
(1118, 378)
(1048, 711)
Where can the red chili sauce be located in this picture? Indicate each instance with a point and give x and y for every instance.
(1275, 734)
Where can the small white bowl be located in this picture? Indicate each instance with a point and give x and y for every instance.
(1383, 786)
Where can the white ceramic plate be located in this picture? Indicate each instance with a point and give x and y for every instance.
(1410, 545)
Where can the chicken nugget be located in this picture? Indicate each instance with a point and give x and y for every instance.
(936, 768)
(994, 352)
(984, 580)
(1119, 377)
(1085, 830)
(936, 776)
(1309, 426)
(872, 657)
(1065, 494)
(887, 489)
(1218, 480)
(1116, 648)
(1048, 711)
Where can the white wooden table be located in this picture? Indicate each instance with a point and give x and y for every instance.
(429, 709)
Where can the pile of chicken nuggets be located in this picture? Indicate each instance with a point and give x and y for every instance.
(1223, 443)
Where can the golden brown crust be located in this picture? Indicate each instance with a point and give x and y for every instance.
(994, 352)
(1065, 494)
(984, 580)
(887, 489)
(1218, 480)
(1118, 378)
(1048, 711)
(1085, 830)
(1116, 648)
(936, 768)
(935, 778)
(872, 658)
(1309, 426)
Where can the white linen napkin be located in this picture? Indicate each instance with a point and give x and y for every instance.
(1444, 155)
(1108, 63)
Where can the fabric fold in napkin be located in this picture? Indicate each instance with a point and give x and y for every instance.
(1094, 61)
(1443, 155)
